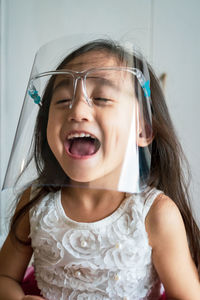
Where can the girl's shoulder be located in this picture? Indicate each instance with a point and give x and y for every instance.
(171, 254)
(23, 227)
(162, 218)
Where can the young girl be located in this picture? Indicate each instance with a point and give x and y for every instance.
(103, 224)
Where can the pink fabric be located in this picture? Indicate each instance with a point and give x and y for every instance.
(29, 284)
(163, 297)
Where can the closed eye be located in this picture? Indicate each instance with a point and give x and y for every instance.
(63, 101)
(101, 100)
(62, 95)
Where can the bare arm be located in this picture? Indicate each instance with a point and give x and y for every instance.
(14, 259)
(171, 255)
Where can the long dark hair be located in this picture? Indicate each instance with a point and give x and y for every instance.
(168, 164)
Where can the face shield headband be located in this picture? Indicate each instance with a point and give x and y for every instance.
(83, 75)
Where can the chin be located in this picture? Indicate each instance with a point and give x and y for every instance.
(81, 178)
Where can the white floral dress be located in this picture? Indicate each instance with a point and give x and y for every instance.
(107, 259)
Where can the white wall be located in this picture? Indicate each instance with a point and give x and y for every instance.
(166, 30)
(176, 51)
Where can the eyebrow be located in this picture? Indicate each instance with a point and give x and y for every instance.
(110, 83)
(66, 82)
(105, 81)
(62, 83)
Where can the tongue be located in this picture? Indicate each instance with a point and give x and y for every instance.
(82, 147)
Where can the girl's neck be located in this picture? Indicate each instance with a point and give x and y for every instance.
(88, 205)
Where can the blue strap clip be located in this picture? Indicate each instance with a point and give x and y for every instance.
(34, 95)
(146, 89)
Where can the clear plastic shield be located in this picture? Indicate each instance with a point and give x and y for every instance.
(86, 118)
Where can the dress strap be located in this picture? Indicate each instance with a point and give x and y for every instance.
(149, 199)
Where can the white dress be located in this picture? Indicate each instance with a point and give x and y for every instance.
(107, 259)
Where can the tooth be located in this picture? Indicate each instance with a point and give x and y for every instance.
(77, 135)
(82, 135)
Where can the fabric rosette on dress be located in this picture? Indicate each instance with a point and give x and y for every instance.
(107, 259)
(81, 244)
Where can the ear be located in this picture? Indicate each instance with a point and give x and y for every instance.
(145, 136)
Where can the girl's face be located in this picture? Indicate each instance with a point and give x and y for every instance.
(90, 142)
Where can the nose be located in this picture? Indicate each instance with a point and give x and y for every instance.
(80, 110)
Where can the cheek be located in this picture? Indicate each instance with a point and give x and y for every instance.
(116, 128)
(126, 125)
(53, 131)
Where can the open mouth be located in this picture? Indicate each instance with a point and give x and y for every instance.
(81, 145)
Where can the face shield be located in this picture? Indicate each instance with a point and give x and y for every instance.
(85, 120)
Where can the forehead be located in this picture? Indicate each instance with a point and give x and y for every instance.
(93, 59)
